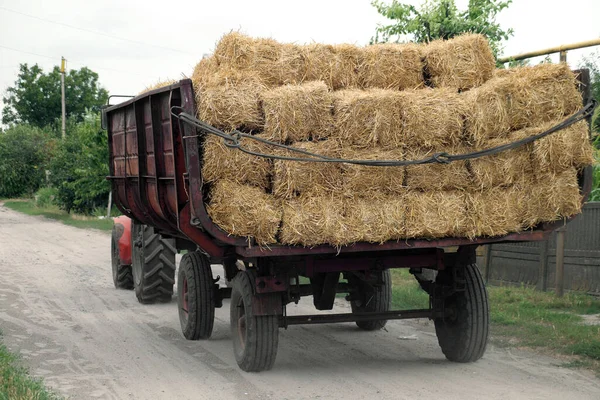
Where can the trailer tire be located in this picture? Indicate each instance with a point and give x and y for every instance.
(122, 275)
(153, 265)
(195, 296)
(255, 338)
(378, 299)
(463, 338)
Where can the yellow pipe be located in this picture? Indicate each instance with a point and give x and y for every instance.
(558, 49)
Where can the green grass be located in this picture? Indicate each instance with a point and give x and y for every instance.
(28, 207)
(525, 317)
(15, 382)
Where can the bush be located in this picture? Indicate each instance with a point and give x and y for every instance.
(23, 157)
(79, 167)
(46, 197)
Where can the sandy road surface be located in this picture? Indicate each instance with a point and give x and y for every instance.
(59, 310)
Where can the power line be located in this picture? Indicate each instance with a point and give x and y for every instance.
(95, 32)
(72, 62)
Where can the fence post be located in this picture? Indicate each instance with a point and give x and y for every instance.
(560, 260)
(543, 270)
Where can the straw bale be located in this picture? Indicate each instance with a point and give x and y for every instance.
(431, 118)
(495, 211)
(364, 118)
(243, 210)
(504, 168)
(158, 85)
(314, 220)
(296, 177)
(570, 147)
(298, 112)
(435, 214)
(359, 179)
(336, 65)
(204, 71)
(392, 66)
(437, 176)
(222, 162)
(230, 101)
(527, 97)
(375, 218)
(461, 63)
(554, 196)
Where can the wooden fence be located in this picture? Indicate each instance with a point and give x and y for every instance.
(534, 263)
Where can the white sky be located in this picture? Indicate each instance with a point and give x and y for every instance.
(165, 39)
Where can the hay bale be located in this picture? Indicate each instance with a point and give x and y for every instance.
(436, 176)
(204, 72)
(375, 218)
(527, 97)
(295, 177)
(495, 211)
(364, 118)
(552, 197)
(567, 148)
(231, 101)
(221, 162)
(298, 112)
(435, 214)
(391, 66)
(313, 220)
(505, 168)
(336, 65)
(368, 179)
(431, 118)
(461, 63)
(242, 210)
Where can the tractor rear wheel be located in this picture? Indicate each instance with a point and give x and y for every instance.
(153, 264)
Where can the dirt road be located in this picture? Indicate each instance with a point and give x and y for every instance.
(59, 310)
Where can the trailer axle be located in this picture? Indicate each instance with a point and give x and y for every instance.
(285, 321)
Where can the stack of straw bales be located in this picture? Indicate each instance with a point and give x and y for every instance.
(385, 102)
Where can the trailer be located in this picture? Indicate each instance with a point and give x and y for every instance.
(156, 181)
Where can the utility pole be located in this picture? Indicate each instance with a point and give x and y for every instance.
(62, 89)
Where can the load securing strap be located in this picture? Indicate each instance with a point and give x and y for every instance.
(233, 141)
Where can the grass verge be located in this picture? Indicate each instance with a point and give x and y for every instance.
(522, 316)
(15, 382)
(53, 212)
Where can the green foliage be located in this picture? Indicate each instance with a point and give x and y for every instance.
(35, 97)
(595, 195)
(593, 64)
(23, 156)
(441, 19)
(79, 167)
(45, 197)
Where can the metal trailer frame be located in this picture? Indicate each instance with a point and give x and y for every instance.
(156, 179)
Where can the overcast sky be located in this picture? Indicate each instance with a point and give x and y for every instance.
(132, 44)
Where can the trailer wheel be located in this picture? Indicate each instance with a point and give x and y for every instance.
(373, 299)
(153, 265)
(463, 335)
(255, 338)
(195, 296)
(122, 276)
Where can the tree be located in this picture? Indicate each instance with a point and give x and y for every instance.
(441, 19)
(23, 156)
(593, 64)
(35, 98)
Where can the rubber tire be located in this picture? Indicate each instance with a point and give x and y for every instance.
(464, 338)
(153, 265)
(261, 332)
(380, 300)
(122, 275)
(197, 323)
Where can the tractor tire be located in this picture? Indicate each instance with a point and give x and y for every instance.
(374, 299)
(463, 337)
(153, 265)
(255, 338)
(195, 296)
(122, 276)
